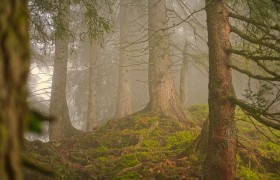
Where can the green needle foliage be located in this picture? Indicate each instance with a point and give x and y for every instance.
(94, 19)
(36, 120)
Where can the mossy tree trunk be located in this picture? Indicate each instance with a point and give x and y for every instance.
(14, 65)
(163, 96)
(220, 163)
(61, 127)
(123, 107)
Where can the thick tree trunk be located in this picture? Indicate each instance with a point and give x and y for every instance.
(220, 160)
(93, 79)
(163, 96)
(123, 107)
(184, 74)
(61, 127)
(14, 65)
(58, 104)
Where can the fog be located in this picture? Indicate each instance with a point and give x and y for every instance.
(186, 24)
(157, 89)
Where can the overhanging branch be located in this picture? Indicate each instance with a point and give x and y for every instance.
(256, 114)
(255, 41)
(250, 74)
(255, 58)
(252, 21)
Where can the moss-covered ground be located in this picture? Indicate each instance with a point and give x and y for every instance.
(146, 146)
(258, 156)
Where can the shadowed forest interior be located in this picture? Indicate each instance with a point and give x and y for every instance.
(140, 89)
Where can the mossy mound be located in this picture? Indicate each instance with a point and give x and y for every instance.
(142, 146)
(146, 146)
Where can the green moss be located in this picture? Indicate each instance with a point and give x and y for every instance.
(150, 143)
(130, 176)
(78, 157)
(271, 149)
(168, 176)
(247, 174)
(129, 160)
(91, 141)
(103, 163)
(142, 121)
(62, 172)
(145, 156)
(171, 126)
(145, 146)
(269, 176)
(238, 159)
(144, 132)
(102, 160)
(119, 139)
(180, 139)
(156, 132)
(199, 111)
(100, 151)
(102, 167)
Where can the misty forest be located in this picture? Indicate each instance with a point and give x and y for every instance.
(140, 89)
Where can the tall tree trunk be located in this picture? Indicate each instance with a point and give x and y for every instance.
(163, 96)
(123, 107)
(220, 160)
(93, 79)
(61, 127)
(14, 65)
(184, 74)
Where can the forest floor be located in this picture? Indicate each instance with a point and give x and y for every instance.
(146, 146)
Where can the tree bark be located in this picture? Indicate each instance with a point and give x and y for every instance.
(220, 160)
(123, 107)
(163, 96)
(201, 142)
(61, 127)
(184, 74)
(93, 79)
(14, 66)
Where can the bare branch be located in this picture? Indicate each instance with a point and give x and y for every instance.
(252, 21)
(250, 56)
(250, 74)
(256, 114)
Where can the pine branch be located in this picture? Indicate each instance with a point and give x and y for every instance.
(255, 41)
(257, 60)
(252, 21)
(250, 56)
(273, 73)
(257, 114)
(250, 74)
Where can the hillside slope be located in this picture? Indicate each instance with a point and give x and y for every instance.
(138, 147)
(144, 146)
